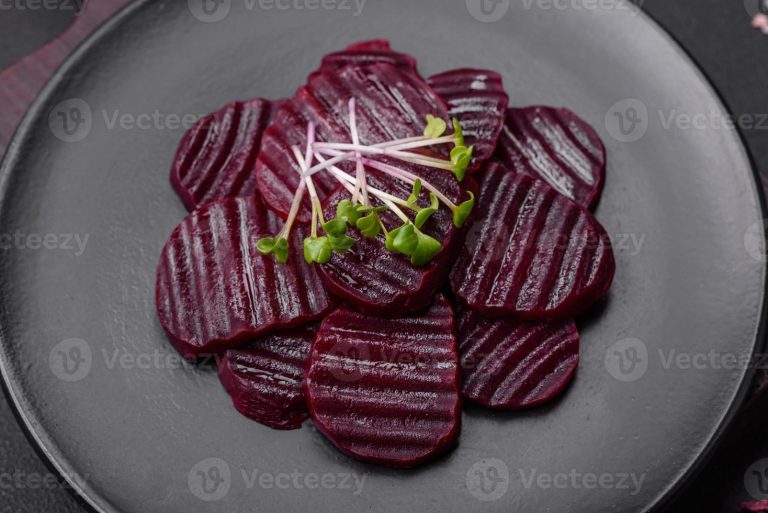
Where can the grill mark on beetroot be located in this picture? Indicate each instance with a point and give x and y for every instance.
(264, 379)
(215, 291)
(386, 390)
(366, 53)
(478, 100)
(557, 146)
(509, 364)
(532, 254)
(215, 157)
(398, 102)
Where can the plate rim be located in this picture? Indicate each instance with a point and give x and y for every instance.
(94, 502)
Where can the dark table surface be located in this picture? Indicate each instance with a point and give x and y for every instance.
(718, 35)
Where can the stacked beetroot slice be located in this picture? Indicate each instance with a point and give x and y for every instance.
(324, 227)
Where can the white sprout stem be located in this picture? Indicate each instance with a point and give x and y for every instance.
(347, 184)
(361, 185)
(297, 197)
(316, 207)
(414, 158)
(341, 157)
(344, 178)
(410, 178)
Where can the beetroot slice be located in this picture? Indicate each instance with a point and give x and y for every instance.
(386, 390)
(366, 53)
(510, 364)
(558, 146)
(264, 378)
(477, 99)
(753, 507)
(215, 158)
(215, 291)
(532, 254)
(380, 282)
(392, 104)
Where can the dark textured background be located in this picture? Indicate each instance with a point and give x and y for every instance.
(716, 33)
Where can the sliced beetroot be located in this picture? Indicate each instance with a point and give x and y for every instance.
(532, 254)
(215, 158)
(477, 99)
(381, 282)
(366, 53)
(392, 104)
(264, 378)
(510, 364)
(215, 291)
(386, 390)
(753, 507)
(558, 146)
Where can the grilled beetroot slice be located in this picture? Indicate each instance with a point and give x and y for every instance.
(366, 53)
(380, 282)
(392, 105)
(264, 378)
(215, 291)
(477, 99)
(511, 364)
(532, 254)
(386, 390)
(558, 146)
(215, 158)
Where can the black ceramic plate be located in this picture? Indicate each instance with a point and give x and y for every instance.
(102, 394)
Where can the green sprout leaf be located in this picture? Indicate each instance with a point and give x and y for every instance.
(341, 244)
(460, 158)
(335, 227)
(347, 211)
(435, 127)
(462, 211)
(281, 250)
(365, 209)
(410, 241)
(426, 249)
(425, 213)
(405, 241)
(414, 197)
(458, 133)
(266, 245)
(317, 250)
(271, 246)
(369, 225)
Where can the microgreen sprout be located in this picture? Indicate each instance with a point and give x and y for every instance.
(357, 212)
